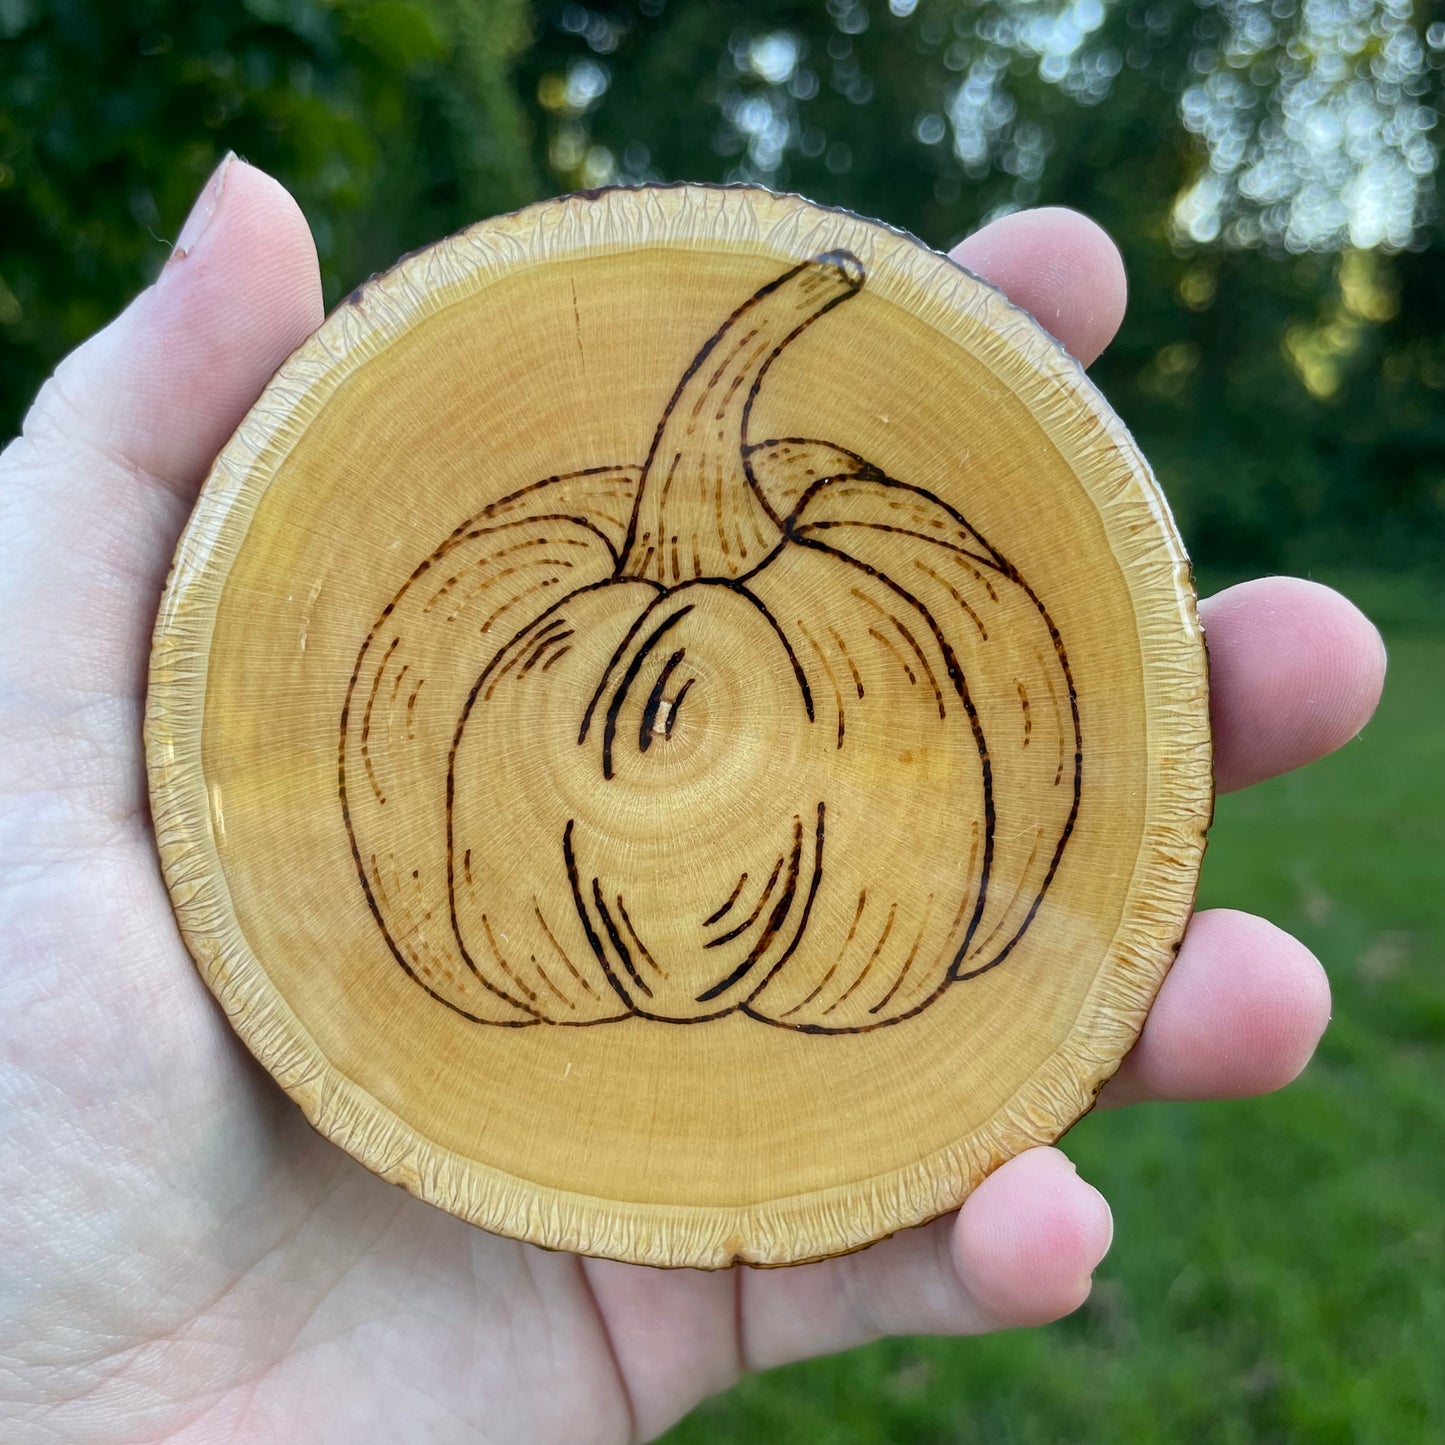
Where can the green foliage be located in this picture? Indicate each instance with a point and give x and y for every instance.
(391, 120)
(1292, 400)
(1293, 404)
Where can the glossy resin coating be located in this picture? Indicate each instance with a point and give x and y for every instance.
(682, 607)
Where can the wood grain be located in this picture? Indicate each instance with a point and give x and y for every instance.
(679, 730)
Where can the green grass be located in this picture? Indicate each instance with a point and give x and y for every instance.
(1278, 1271)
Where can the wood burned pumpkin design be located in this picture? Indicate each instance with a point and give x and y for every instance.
(748, 725)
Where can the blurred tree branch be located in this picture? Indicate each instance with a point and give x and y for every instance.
(1270, 171)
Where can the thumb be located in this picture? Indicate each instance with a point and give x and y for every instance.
(94, 493)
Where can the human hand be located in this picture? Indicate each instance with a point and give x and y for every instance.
(186, 1259)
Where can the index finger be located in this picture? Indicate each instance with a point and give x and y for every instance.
(1060, 267)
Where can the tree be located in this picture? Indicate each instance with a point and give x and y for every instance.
(391, 120)
(1269, 168)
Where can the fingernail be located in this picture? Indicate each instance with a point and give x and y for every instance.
(1102, 1207)
(206, 205)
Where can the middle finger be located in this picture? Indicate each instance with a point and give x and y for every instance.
(1239, 1014)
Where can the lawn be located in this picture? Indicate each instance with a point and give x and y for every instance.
(1278, 1270)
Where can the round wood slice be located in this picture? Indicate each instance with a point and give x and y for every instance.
(679, 729)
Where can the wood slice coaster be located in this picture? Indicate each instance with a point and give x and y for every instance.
(679, 729)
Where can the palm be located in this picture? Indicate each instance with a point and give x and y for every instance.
(191, 1257)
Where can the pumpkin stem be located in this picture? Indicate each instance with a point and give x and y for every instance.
(697, 512)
